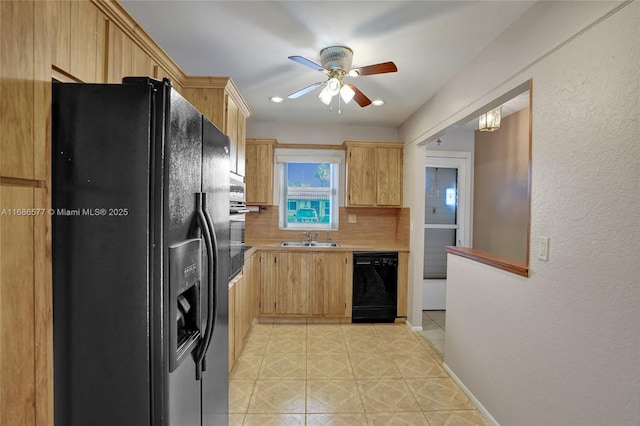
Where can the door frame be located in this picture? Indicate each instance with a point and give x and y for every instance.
(462, 161)
(434, 290)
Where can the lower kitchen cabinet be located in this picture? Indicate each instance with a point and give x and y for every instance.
(292, 281)
(331, 282)
(241, 322)
(305, 284)
(242, 308)
(267, 287)
(232, 325)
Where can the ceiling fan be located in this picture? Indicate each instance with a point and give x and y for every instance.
(336, 64)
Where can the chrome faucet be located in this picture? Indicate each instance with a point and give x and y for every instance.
(307, 235)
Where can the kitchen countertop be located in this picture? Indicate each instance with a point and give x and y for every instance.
(348, 247)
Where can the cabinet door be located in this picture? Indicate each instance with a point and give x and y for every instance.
(292, 282)
(17, 316)
(232, 325)
(259, 172)
(267, 284)
(87, 42)
(142, 64)
(389, 176)
(59, 14)
(240, 309)
(126, 58)
(241, 149)
(231, 130)
(328, 295)
(253, 268)
(16, 89)
(361, 180)
(403, 280)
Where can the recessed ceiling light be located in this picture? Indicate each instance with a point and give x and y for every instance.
(276, 99)
(378, 102)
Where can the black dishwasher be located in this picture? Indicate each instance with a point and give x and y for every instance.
(375, 286)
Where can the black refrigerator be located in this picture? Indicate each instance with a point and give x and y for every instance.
(140, 240)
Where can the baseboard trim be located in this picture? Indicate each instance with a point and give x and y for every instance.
(412, 327)
(473, 399)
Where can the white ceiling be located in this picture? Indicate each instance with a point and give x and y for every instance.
(429, 41)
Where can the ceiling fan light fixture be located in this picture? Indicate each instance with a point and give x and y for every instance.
(325, 96)
(336, 58)
(333, 86)
(335, 62)
(347, 93)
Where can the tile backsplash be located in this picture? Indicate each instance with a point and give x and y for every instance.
(387, 225)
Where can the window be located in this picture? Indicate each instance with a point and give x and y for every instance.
(308, 192)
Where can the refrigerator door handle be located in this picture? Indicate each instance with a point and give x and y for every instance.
(213, 285)
(204, 226)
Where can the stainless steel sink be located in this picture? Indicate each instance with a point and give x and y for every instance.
(308, 244)
(318, 244)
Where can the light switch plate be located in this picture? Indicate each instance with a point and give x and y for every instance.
(352, 218)
(543, 248)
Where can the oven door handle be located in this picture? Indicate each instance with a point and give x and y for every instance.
(240, 211)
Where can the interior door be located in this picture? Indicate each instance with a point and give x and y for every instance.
(444, 224)
(440, 219)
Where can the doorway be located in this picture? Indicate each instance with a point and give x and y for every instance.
(446, 223)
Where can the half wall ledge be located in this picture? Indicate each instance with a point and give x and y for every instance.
(509, 265)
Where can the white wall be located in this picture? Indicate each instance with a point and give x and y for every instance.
(319, 134)
(563, 346)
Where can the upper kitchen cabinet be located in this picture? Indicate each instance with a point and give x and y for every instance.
(374, 174)
(219, 100)
(126, 58)
(259, 173)
(78, 31)
(128, 51)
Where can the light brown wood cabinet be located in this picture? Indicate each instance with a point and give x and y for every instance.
(16, 307)
(267, 304)
(126, 58)
(232, 325)
(259, 171)
(403, 283)
(252, 268)
(305, 284)
(243, 307)
(79, 39)
(41, 40)
(292, 282)
(374, 173)
(219, 100)
(331, 283)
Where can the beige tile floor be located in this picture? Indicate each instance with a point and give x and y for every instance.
(433, 325)
(349, 374)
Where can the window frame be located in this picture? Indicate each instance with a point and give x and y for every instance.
(333, 157)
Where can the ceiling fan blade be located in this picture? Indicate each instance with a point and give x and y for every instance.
(306, 90)
(308, 63)
(360, 97)
(376, 69)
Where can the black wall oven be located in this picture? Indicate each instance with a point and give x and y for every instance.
(236, 225)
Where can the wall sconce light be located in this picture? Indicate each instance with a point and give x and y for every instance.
(490, 120)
